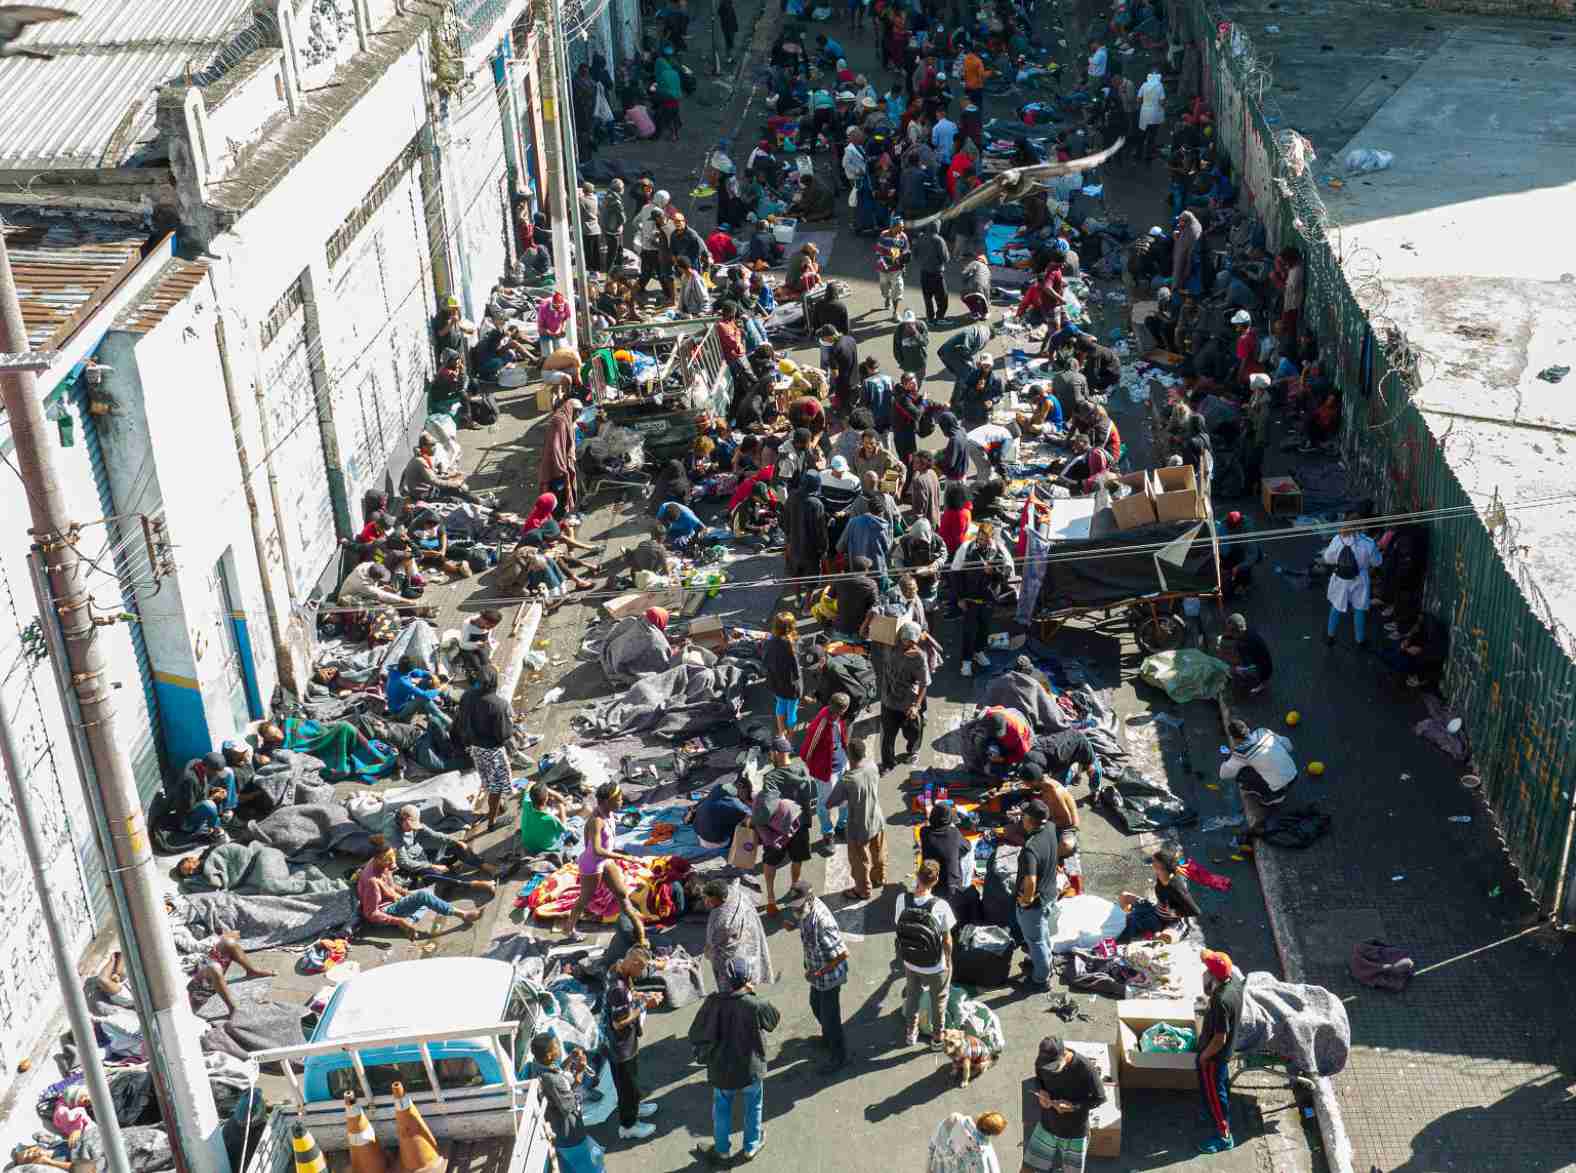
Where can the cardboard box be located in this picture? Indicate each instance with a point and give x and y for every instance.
(883, 629)
(892, 481)
(1161, 1070)
(1176, 494)
(708, 632)
(637, 603)
(1281, 495)
(544, 395)
(1138, 507)
(1105, 1122)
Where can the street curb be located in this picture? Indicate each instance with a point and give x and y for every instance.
(1332, 1127)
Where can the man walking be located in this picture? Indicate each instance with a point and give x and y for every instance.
(826, 969)
(924, 945)
(860, 789)
(905, 680)
(1037, 893)
(932, 255)
(781, 818)
(892, 253)
(729, 1036)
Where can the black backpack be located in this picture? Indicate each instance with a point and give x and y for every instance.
(1346, 564)
(919, 941)
(484, 409)
(926, 424)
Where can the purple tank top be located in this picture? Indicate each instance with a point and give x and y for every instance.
(590, 861)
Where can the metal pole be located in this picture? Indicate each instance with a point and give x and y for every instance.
(286, 666)
(65, 970)
(167, 1022)
(572, 170)
(564, 201)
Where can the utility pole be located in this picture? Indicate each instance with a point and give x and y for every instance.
(571, 153)
(65, 968)
(169, 1029)
(564, 203)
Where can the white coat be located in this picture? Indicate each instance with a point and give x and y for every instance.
(1352, 593)
(1152, 102)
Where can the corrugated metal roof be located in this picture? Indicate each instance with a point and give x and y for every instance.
(170, 284)
(92, 106)
(63, 268)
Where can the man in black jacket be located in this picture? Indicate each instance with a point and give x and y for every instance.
(931, 255)
(729, 1036)
(1102, 366)
(484, 725)
(804, 527)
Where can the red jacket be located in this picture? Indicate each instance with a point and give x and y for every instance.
(1019, 738)
(816, 748)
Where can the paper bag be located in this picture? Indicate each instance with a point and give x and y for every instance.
(746, 847)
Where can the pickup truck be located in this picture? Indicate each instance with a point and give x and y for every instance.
(454, 1031)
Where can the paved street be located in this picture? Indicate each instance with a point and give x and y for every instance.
(1456, 1073)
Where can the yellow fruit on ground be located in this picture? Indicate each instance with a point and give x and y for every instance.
(1293, 717)
(1315, 768)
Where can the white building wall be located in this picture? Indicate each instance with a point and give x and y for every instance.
(476, 173)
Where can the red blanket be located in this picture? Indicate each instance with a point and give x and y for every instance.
(649, 883)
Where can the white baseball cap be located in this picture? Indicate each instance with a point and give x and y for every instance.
(1242, 318)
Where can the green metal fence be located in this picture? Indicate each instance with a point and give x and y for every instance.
(1510, 674)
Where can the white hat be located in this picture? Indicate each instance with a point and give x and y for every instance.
(908, 315)
(1165, 293)
(984, 360)
(868, 102)
(1242, 318)
(845, 95)
(842, 63)
(1157, 231)
(1258, 380)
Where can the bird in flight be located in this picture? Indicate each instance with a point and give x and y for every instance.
(1014, 184)
(15, 19)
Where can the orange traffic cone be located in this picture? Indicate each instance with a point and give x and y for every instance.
(418, 1149)
(308, 1157)
(365, 1155)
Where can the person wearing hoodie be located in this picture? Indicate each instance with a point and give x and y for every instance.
(805, 529)
(651, 243)
(911, 345)
(1264, 770)
(980, 569)
(954, 465)
(922, 553)
(957, 353)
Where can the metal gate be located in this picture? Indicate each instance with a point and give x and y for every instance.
(295, 437)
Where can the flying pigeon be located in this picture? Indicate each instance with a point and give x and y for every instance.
(15, 19)
(1014, 184)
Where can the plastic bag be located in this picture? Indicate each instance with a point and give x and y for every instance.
(1186, 674)
(1165, 1037)
(1368, 159)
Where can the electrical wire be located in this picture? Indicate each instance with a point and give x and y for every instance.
(1072, 556)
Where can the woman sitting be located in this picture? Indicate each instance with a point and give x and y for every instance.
(804, 273)
(757, 513)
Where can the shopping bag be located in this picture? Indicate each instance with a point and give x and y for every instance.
(745, 848)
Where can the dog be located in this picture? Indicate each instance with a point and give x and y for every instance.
(969, 1056)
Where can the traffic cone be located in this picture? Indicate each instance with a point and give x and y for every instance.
(365, 1155)
(308, 1157)
(418, 1149)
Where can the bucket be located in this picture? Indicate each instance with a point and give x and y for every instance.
(783, 231)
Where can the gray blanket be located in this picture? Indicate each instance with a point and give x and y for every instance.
(314, 830)
(248, 868)
(683, 691)
(1304, 1025)
(257, 1024)
(289, 778)
(265, 922)
(1019, 690)
(634, 649)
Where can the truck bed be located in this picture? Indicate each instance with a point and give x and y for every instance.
(484, 1155)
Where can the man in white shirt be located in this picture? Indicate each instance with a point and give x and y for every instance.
(476, 635)
(924, 944)
(992, 445)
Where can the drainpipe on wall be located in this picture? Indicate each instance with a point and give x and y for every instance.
(281, 649)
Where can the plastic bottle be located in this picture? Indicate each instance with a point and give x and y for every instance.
(929, 801)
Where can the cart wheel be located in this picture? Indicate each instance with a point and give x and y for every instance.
(1159, 633)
